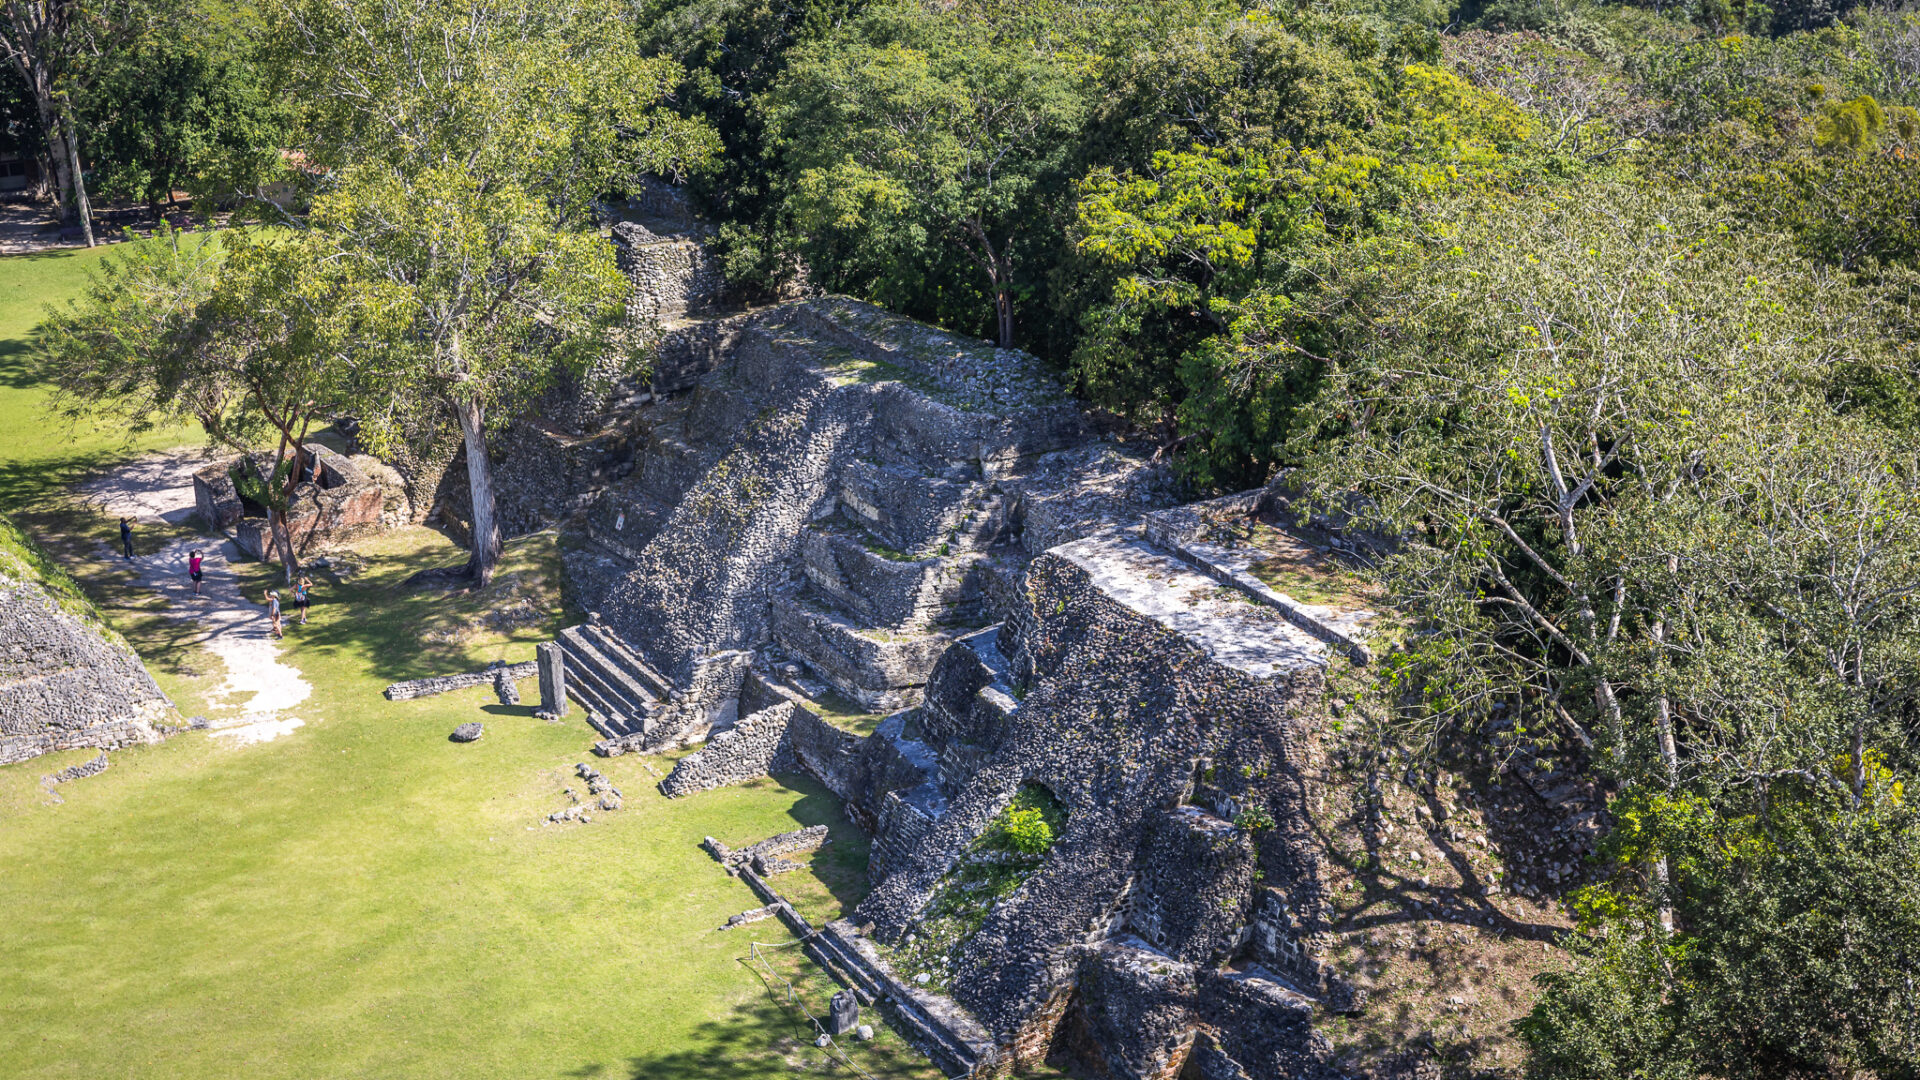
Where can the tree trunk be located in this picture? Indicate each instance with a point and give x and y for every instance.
(56, 157)
(78, 179)
(486, 530)
(283, 543)
(1003, 309)
(1670, 760)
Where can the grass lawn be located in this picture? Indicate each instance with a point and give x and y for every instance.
(362, 897)
(39, 455)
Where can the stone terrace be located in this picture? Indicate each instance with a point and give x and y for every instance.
(837, 497)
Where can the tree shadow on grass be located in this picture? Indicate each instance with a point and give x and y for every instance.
(402, 634)
(750, 1040)
(840, 865)
(769, 1036)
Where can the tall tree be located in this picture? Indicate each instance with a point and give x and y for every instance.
(187, 113)
(460, 148)
(57, 46)
(254, 336)
(914, 131)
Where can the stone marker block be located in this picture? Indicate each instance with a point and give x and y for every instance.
(843, 1013)
(553, 678)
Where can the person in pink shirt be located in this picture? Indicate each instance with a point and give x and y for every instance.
(193, 570)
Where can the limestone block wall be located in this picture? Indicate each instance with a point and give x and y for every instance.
(781, 738)
(671, 277)
(345, 504)
(64, 681)
(1151, 703)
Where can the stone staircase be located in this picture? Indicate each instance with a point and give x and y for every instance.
(957, 1043)
(618, 690)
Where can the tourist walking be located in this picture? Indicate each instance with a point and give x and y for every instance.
(126, 538)
(193, 569)
(301, 591)
(273, 613)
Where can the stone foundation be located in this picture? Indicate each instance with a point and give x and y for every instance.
(338, 504)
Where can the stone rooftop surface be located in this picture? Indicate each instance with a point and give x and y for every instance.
(974, 374)
(1229, 626)
(1225, 539)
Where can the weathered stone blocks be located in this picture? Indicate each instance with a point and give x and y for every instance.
(65, 681)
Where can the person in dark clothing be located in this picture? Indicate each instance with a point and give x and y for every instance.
(126, 537)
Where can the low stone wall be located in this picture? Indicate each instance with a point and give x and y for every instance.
(345, 504)
(782, 738)
(440, 684)
(756, 746)
(81, 771)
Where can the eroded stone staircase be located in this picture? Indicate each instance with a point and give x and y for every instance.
(618, 690)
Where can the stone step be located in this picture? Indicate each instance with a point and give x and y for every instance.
(956, 1042)
(616, 650)
(608, 721)
(586, 686)
(623, 675)
(882, 670)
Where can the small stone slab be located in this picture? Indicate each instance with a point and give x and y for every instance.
(467, 732)
(843, 1013)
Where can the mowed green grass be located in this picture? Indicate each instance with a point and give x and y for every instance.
(362, 897)
(39, 453)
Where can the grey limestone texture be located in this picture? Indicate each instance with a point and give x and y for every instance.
(440, 684)
(504, 688)
(843, 1013)
(468, 733)
(764, 857)
(65, 680)
(842, 490)
(1173, 925)
(93, 767)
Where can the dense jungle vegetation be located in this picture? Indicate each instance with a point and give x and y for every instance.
(1605, 311)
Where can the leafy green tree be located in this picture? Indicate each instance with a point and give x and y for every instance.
(1797, 936)
(462, 149)
(1531, 404)
(911, 132)
(60, 48)
(733, 51)
(183, 114)
(1209, 247)
(254, 337)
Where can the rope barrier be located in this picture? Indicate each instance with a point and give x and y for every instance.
(794, 999)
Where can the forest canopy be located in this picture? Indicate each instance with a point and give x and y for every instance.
(1599, 318)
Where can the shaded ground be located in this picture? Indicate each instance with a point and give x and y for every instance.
(251, 704)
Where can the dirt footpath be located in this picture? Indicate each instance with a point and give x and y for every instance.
(159, 488)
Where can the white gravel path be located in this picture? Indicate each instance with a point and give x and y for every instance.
(230, 626)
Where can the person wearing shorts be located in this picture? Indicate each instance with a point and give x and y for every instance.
(302, 591)
(193, 570)
(273, 613)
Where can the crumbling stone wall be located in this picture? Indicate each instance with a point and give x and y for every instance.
(781, 738)
(1150, 692)
(65, 681)
(338, 503)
